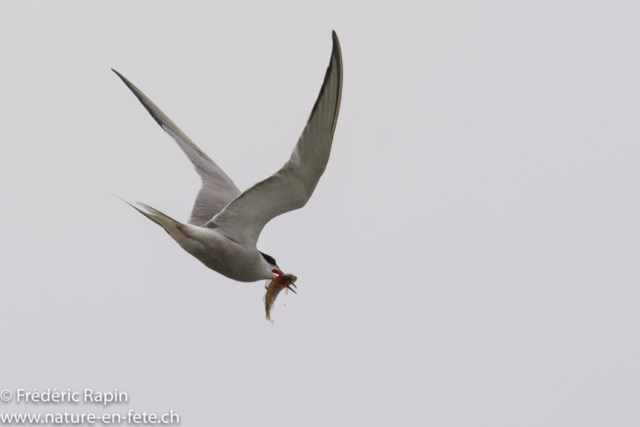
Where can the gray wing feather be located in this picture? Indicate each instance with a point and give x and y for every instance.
(291, 187)
(217, 188)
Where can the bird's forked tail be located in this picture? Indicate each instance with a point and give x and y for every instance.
(170, 225)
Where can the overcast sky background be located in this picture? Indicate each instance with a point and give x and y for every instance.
(469, 258)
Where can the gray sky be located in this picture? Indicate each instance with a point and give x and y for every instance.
(470, 257)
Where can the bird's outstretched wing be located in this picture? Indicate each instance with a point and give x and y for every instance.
(291, 187)
(217, 188)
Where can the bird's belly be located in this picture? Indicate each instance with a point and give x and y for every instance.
(228, 258)
(234, 265)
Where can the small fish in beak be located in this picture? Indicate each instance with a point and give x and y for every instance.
(286, 281)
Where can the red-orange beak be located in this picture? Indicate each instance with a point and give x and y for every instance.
(282, 282)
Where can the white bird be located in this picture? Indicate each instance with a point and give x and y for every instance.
(225, 224)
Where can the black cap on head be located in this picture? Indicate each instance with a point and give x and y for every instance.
(269, 259)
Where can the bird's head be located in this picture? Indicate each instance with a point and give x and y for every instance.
(271, 264)
(286, 280)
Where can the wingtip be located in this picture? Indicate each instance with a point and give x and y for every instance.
(334, 63)
(337, 50)
(123, 78)
(334, 37)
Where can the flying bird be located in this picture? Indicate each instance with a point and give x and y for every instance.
(225, 224)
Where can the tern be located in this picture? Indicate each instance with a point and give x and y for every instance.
(225, 224)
